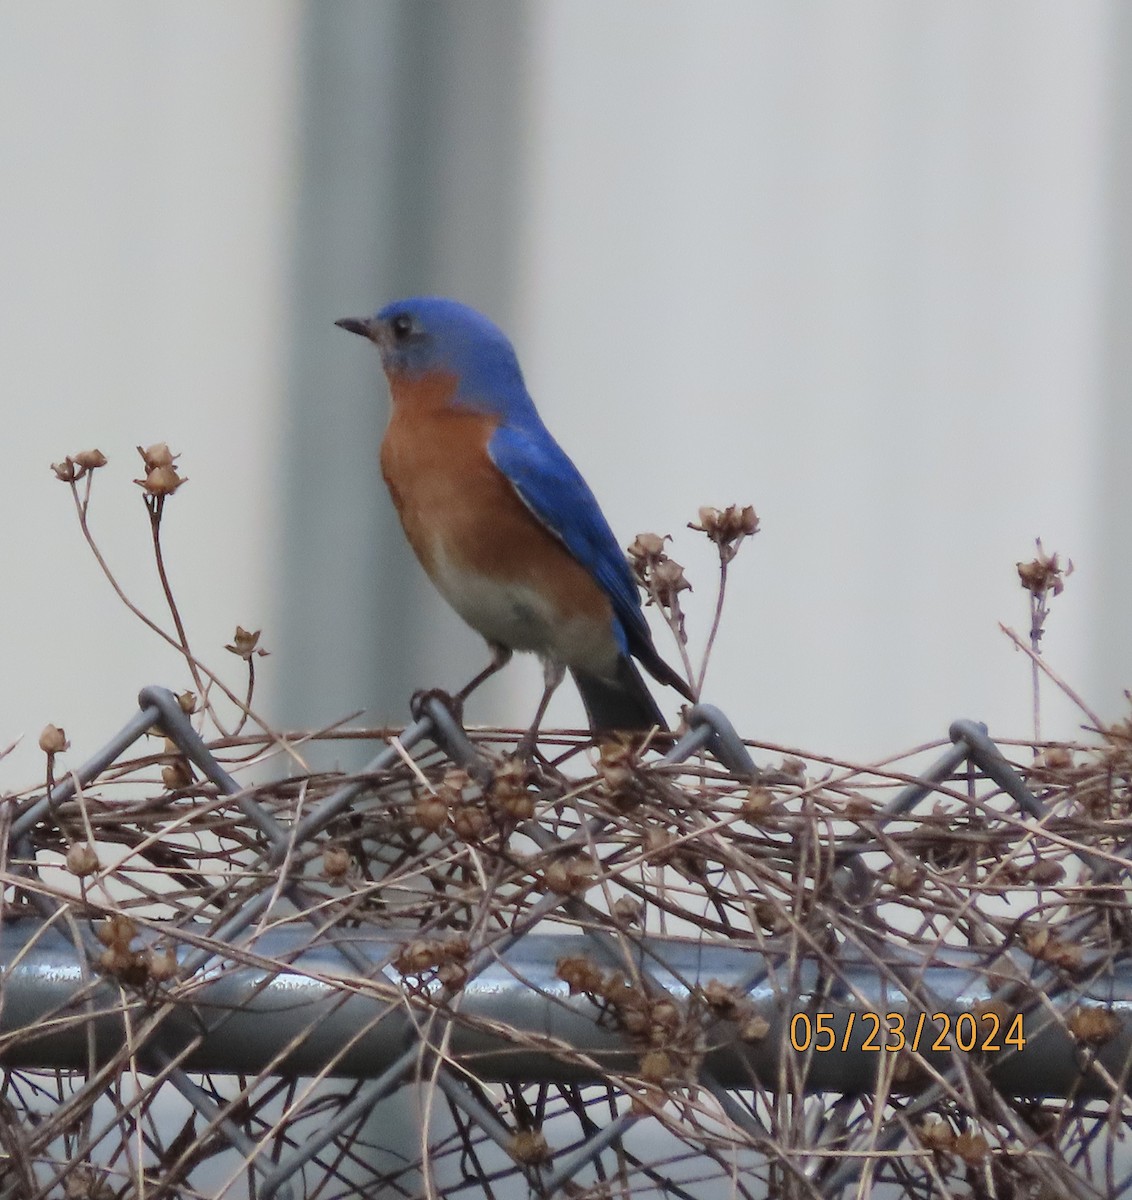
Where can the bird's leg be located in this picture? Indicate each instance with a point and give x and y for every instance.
(552, 673)
(500, 657)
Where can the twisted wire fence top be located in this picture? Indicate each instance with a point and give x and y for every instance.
(609, 970)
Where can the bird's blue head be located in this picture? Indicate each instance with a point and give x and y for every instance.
(432, 336)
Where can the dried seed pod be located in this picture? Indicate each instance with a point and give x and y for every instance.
(668, 581)
(529, 1146)
(657, 1066)
(907, 877)
(757, 803)
(647, 547)
(116, 930)
(430, 812)
(53, 740)
(177, 774)
(721, 999)
(509, 789)
(936, 1135)
(245, 643)
(754, 1029)
(569, 876)
(161, 964)
(82, 860)
(628, 911)
(1044, 575)
(971, 1147)
(335, 863)
(161, 481)
(468, 821)
(157, 456)
(579, 974)
(453, 975)
(727, 527)
(90, 460)
(1093, 1026)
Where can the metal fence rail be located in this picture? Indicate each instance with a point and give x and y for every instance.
(240, 1016)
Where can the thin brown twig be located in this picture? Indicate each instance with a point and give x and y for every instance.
(1039, 663)
(717, 618)
(194, 663)
(155, 506)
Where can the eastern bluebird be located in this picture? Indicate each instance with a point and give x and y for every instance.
(501, 519)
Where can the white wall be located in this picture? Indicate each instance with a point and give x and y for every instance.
(847, 263)
(144, 218)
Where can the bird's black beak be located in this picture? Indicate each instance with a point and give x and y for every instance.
(363, 327)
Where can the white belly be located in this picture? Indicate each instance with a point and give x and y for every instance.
(521, 618)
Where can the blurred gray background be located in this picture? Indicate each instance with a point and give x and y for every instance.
(865, 266)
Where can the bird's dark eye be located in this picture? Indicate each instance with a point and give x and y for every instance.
(402, 326)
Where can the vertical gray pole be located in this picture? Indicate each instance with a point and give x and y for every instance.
(409, 146)
(408, 150)
(1112, 630)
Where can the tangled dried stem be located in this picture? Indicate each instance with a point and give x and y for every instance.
(751, 867)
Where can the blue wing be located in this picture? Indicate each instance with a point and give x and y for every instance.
(553, 489)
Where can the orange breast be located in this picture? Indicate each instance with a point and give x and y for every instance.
(460, 512)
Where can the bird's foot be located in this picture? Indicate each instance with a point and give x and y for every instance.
(527, 750)
(454, 704)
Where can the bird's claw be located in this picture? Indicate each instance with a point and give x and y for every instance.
(420, 698)
(527, 750)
